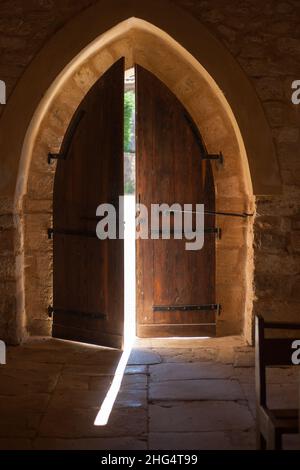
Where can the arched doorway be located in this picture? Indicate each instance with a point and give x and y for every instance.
(176, 293)
(211, 112)
(233, 192)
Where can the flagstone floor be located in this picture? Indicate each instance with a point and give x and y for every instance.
(175, 394)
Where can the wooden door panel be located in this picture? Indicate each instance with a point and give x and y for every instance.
(88, 273)
(171, 169)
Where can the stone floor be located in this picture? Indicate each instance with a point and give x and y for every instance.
(175, 394)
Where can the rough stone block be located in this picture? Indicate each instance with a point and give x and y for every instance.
(79, 423)
(195, 390)
(40, 185)
(199, 416)
(7, 241)
(36, 232)
(6, 205)
(143, 357)
(180, 355)
(40, 327)
(7, 268)
(85, 77)
(171, 371)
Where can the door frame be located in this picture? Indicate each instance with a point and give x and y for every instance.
(48, 127)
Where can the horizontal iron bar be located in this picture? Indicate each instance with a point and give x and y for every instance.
(214, 230)
(244, 215)
(214, 156)
(186, 308)
(181, 324)
(90, 234)
(73, 233)
(94, 316)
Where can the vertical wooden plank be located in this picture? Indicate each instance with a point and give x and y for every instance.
(171, 170)
(145, 183)
(89, 273)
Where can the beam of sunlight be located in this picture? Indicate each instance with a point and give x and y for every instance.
(129, 249)
(130, 305)
(109, 401)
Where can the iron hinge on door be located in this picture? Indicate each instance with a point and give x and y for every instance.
(187, 308)
(71, 233)
(207, 231)
(214, 157)
(69, 139)
(57, 311)
(218, 157)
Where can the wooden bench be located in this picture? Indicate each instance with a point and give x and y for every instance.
(271, 352)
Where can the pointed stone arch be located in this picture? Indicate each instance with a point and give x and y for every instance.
(196, 68)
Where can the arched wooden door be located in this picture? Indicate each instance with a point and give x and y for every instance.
(175, 287)
(88, 273)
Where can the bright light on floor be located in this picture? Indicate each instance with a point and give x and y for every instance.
(109, 401)
(129, 306)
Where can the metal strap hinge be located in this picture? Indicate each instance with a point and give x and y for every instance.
(214, 156)
(207, 231)
(94, 316)
(71, 233)
(204, 155)
(69, 139)
(187, 308)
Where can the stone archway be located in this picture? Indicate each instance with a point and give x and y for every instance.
(233, 184)
(195, 74)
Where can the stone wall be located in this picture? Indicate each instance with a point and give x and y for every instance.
(24, 28)
(264, 37)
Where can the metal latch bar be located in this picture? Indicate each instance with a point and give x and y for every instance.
(94, 316)
(210, 230)
(72, 233)
(186, 308)
(214, 156)
(243, 215)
